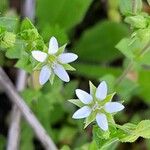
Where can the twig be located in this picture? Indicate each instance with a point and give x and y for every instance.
(26, 112)
(14, 129)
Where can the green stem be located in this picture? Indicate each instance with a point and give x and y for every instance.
(133, 6)
(122, 128)
(125, 72)
(130, 65)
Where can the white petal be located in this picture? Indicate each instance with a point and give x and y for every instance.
(84, 97)
(82, 112)
(53, 46)
(39, 56)
(67, 58)
(102, 121)
(101, 91)
(112, 107)
(44, 75)
(61, 73)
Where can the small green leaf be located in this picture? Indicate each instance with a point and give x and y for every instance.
(136, 21)
(76, 102)
(26, 24)
(17, 50)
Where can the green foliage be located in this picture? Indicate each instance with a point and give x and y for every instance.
(126, 7)
(2, 142)
(96, 47)
(64, 13)
(136, 131)
(97, 50)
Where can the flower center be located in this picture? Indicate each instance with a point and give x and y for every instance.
(96, 107)
(51, 59)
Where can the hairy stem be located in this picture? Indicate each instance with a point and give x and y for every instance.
(130, 65)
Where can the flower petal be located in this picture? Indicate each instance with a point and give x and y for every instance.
(101, 91)
(84, 97)
(67, 58)
(61, 73)
(39, 56)
(112, 107)
(53, 46)
(102, 121)
(83, 112)
(44, 75)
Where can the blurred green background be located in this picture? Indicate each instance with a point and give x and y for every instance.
(91, 28)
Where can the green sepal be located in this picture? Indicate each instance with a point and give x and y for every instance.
(61, 49)
(76, 102)
(90, 119)
(68, 67)
(92, 88)
(52, 77)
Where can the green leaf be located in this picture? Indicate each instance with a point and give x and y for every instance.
(148, 2)
(65, 147)
(56, 31)
(17, 50)
(67, 14)
(126, 6)
(26, 24)
(124, 47)
(141, 130)
(76, 102)
(8, 40)
(95, 70)
(136, 21)
(24, 63)
(9, 23)
(93, 47)
(104, 140)
(143, 80)
(67, 134)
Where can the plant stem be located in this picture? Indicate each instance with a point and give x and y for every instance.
(130, 65)
(26, 112)
(125, 72)
(133, 6)
(14, 129)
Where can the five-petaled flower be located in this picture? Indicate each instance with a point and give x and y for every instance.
(54, 62)
(96, 106)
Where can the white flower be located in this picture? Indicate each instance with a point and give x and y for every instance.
(54, 62)
(98, 103)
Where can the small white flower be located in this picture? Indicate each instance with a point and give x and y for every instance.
(53, 61)
(99, 103)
